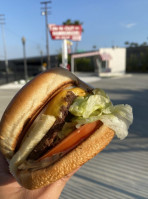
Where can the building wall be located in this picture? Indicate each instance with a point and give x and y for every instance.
(16, 68)
(117, 64)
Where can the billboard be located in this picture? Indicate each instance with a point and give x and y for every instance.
(61, 32)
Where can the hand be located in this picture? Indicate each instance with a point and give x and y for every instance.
(9, 188)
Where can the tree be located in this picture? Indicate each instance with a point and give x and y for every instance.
(94, 47)
(126, 43)
(144, 44)
(134, 44)
(76, 22)
(70, 22)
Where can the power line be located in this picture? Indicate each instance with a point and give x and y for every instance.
(45, 12)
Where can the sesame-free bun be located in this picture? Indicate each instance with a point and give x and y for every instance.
(32, 179)
(27, 104)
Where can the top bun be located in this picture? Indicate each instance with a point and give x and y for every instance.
(28, 101)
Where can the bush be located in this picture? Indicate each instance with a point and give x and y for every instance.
(84, 65)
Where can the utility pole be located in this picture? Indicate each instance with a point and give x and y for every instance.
(25, 61)
(45, 12)
(41, 53)
(2, 22)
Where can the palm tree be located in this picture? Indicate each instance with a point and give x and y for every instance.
(127, 43)
(68, 22)
(76, 22)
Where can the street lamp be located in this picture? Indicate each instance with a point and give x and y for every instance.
(46, 13)
(25, 61)
(2, 22)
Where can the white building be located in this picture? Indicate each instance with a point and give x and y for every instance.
(108, 61)
(117, 62)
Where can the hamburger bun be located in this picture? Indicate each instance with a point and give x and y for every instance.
(77, 157)
(28, 102)
(21, 112)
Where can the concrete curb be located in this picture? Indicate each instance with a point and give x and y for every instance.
(87, 79)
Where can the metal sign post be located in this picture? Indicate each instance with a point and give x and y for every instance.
(64, 54)
(65, 32)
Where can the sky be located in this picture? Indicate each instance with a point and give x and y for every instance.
(106, 23)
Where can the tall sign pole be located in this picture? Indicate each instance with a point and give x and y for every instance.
(64, 54)
(65, 32)
(2, 22)
(45, 12)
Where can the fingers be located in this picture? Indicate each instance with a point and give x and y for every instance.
(54, 190)
(66, 178)
(5, 176)
(3, 164)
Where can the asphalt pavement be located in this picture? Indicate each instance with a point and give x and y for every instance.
(121, 170)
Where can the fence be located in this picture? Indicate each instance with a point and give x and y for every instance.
(16, 68)
(10, 77)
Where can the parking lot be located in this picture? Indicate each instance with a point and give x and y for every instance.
(121, 170)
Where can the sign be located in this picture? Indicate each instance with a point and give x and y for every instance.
(103, 56)
(61, 32)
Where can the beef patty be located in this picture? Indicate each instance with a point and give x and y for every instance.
(51, 138)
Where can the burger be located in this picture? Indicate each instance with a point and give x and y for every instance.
(55, 124)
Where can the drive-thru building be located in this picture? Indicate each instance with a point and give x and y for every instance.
(108, 61)
(117, 62)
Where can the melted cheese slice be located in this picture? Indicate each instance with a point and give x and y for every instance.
(55, 104)
(40, 127)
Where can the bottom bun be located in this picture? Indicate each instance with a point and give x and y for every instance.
(33, 179)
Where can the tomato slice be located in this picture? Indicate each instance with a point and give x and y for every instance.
(72, 140)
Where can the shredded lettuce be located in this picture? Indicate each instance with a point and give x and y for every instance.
(66, 130)
(99, 107)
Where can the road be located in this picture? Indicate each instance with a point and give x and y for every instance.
(121, 170)
(131, 90)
